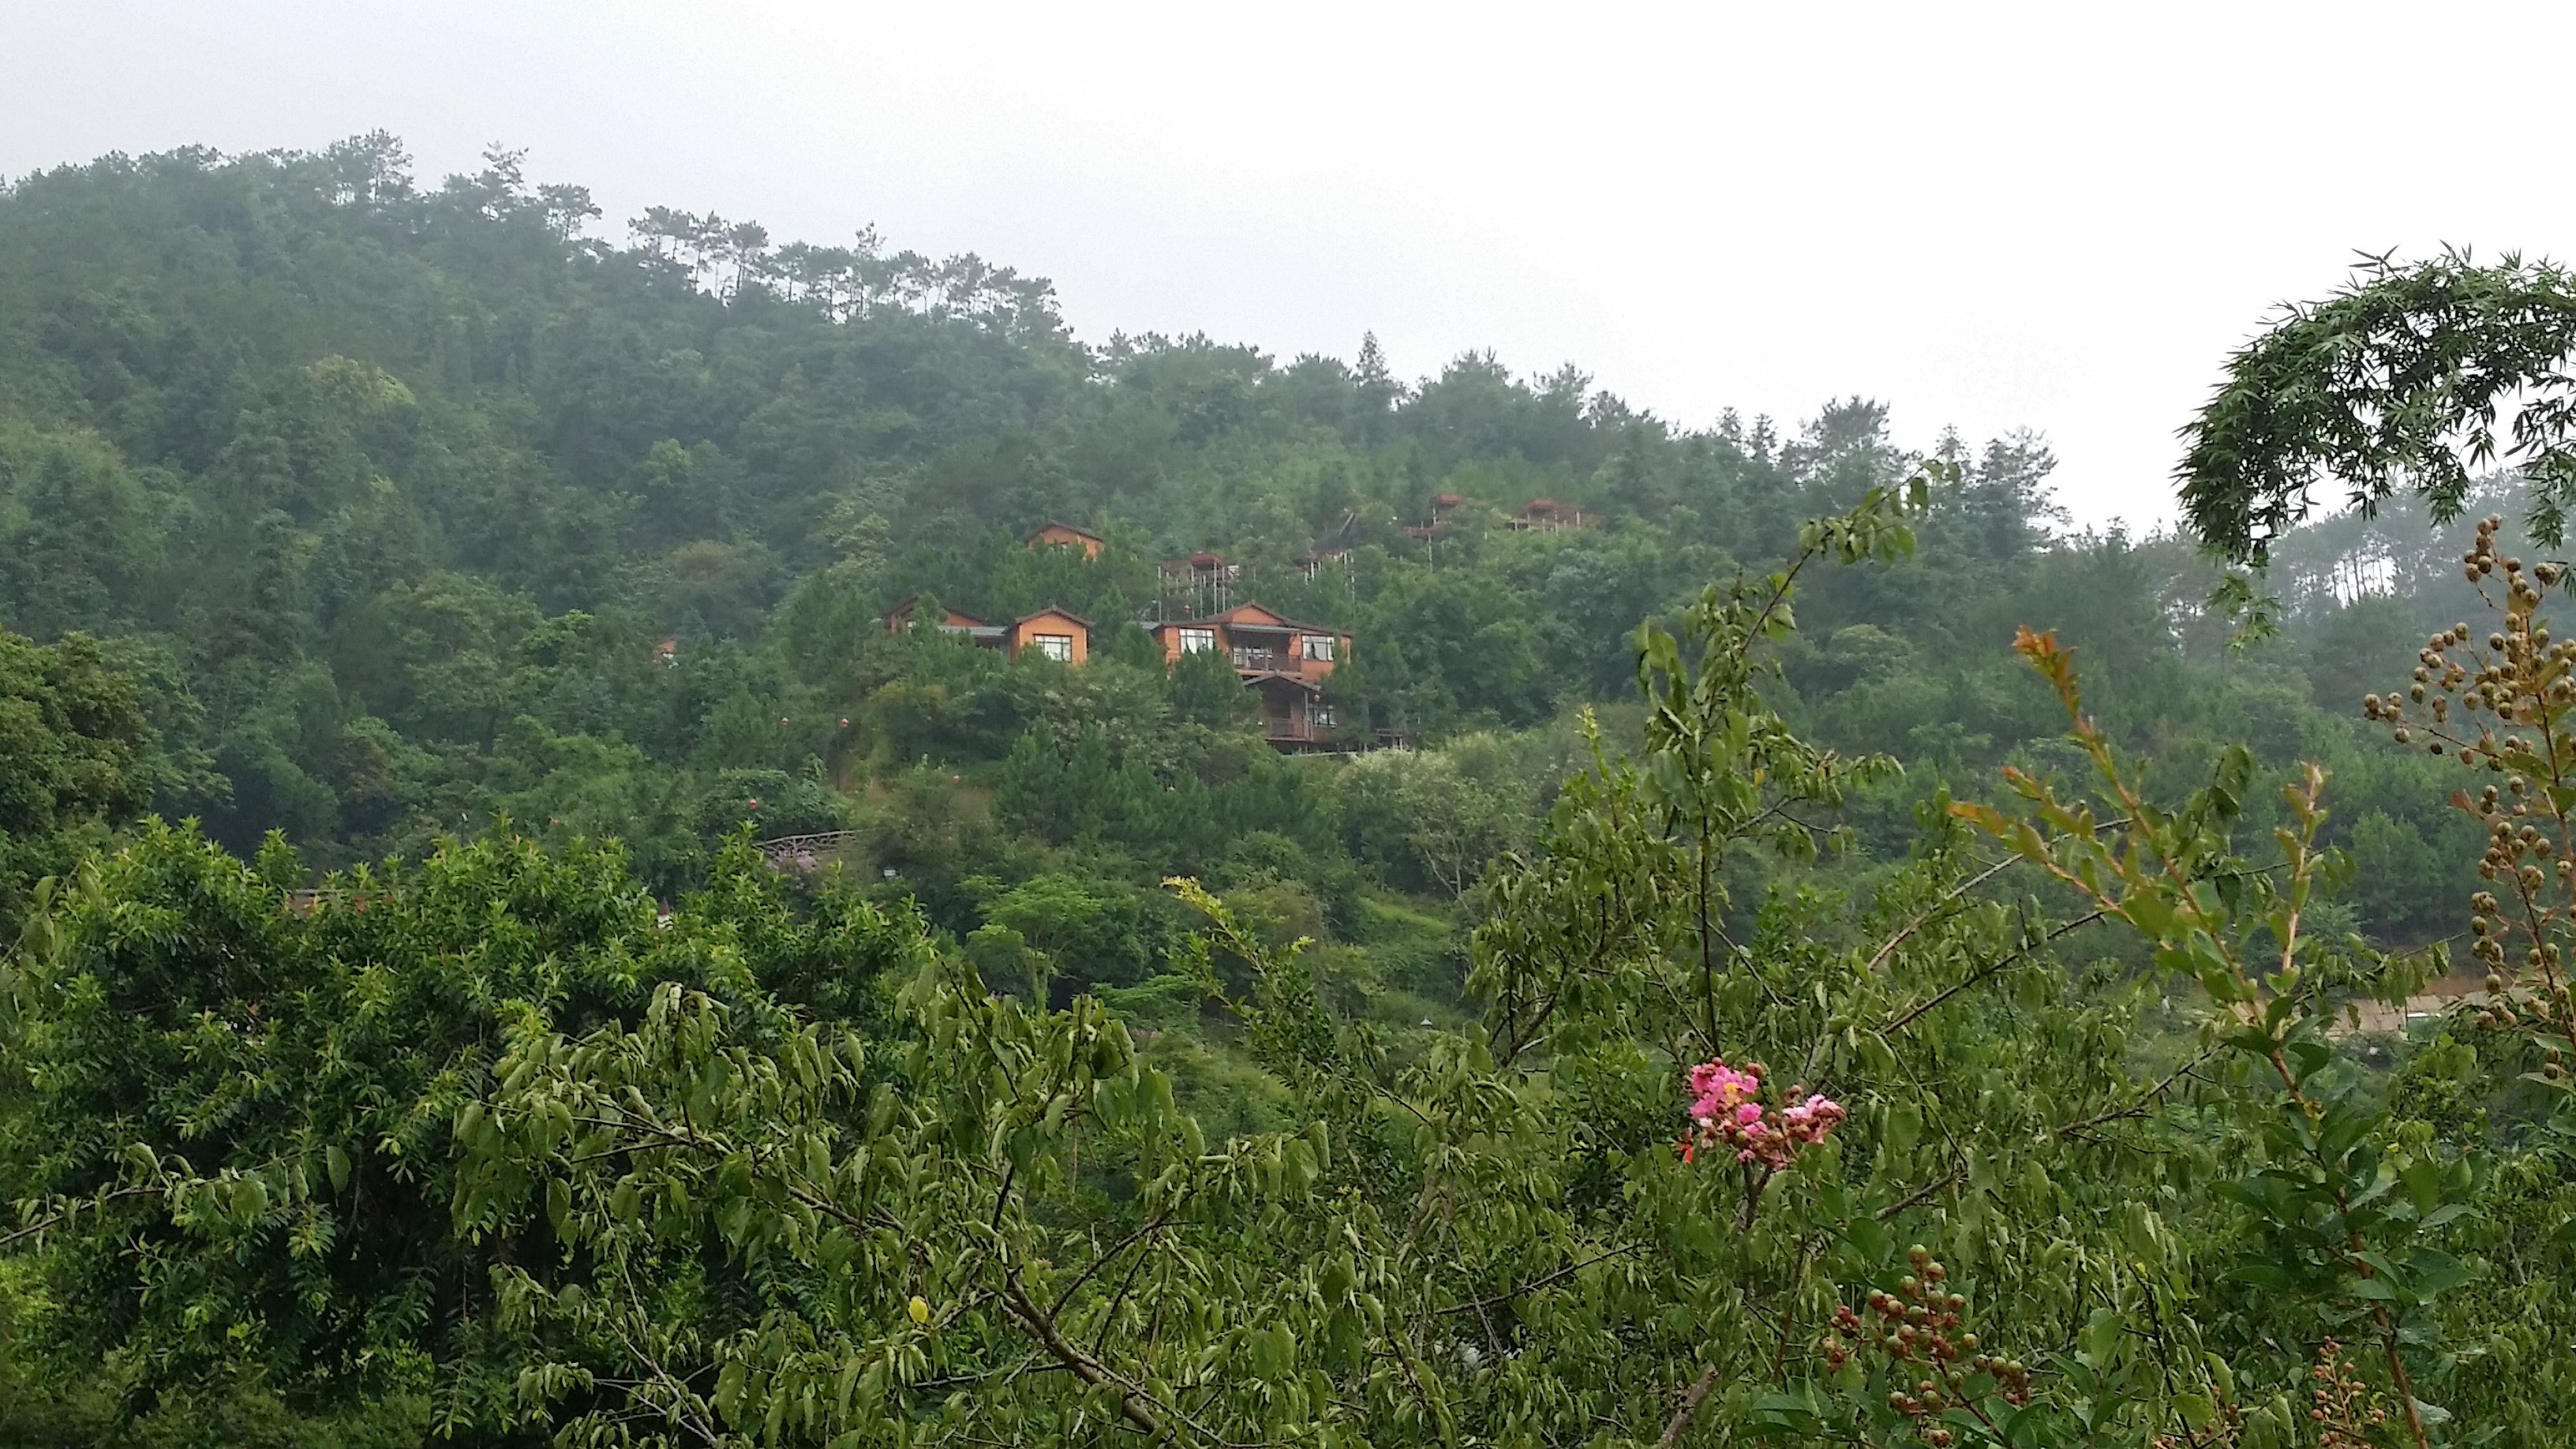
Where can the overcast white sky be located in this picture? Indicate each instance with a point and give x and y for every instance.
(2057, 216)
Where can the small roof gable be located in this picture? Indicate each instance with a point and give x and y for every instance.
(1053, 611)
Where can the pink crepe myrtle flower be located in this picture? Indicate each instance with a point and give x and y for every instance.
(1726, 1112)
(1718, 1089)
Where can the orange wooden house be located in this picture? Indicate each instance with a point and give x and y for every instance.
(1285, 661)
(1050, 633)
(1052, 534)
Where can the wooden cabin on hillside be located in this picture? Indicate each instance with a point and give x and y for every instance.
(1203, 583)
(1435, 518)
(1547, 515)
(1052, 534)
(1284, 661)
(1050, 633)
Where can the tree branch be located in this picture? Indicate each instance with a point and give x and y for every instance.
(1041, 1325)
(65, 1214)
(1919, 922)
(1688, 1409)
(1155, 1225)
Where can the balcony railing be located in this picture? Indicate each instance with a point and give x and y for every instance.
(1305, 729)
(1277, 661)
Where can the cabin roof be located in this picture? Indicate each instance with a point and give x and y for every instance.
(1032, 534)
(901, 606)
(1228, 618)
(1053, 611)
(957, 617)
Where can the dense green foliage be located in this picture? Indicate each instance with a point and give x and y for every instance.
(1122, 1078)
(80, 759)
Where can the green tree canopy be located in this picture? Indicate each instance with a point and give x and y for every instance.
(78, 759)
(2402, 380)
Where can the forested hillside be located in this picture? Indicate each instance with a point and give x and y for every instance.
(1114, 1074)
(388, 494)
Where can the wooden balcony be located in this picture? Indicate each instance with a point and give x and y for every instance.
(1253, 659)
(1302, 732)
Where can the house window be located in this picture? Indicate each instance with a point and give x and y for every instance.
(1319, 647)
(1319, 715)
(1058, 647)
(1197, 641)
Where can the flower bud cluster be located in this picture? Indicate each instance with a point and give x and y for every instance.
(2517, 703)
(2340, 1404)
(1727, 1113)
(1922, 1327)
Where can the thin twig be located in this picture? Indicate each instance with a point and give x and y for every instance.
(57, 1219)
(1918, 923)
(1990, 968)
(1154, 1225)
(1560, 1275)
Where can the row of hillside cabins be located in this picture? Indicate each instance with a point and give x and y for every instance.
(1204, 583)
(1048, 633)
(1284, 662)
